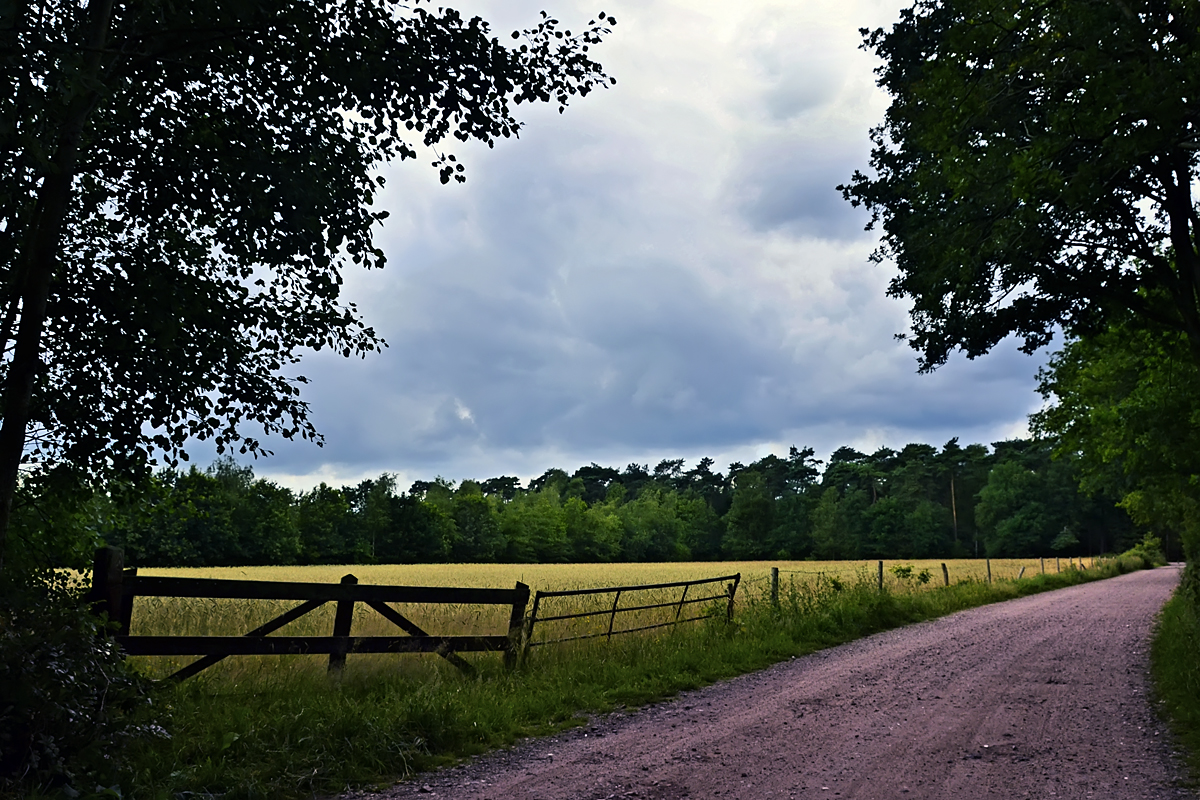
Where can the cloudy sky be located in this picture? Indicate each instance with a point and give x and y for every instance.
(665, 270)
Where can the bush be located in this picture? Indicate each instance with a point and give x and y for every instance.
(68, 703)
(1149, 550)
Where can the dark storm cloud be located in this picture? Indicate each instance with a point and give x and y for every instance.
(782, 188)
(664, 270)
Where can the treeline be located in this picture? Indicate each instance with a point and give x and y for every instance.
(1010, 501)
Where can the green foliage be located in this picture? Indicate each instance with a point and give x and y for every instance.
(1016, 195)
(750, 521)
(186, 298)
(1148, 550)
(1124, 409)
(69, 706)
(1065, 541)
(912, 503)
(57, 518)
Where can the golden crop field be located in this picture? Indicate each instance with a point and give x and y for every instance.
(207, 617)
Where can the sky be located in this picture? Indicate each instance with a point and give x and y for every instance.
(664, 271)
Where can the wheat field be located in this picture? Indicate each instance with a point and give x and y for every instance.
(208, 617)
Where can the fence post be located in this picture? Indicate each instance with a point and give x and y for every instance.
(945, 574)
(341, 628)
(1021, 574)
(108, 569)
(1043, 566)
(989, 568)
(516, 623)
(881, 576)
(1057, 564)
(775, 587)
(732, 591)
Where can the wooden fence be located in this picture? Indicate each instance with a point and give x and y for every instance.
(617, 591)
(114, 590)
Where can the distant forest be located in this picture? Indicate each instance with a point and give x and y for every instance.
(1010, 501)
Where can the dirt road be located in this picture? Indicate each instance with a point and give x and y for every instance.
(1045, 696)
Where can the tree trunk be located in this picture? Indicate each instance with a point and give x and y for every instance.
(953, 508)
(39, 262)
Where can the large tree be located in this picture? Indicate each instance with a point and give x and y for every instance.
(1035, 169)
(181, 185)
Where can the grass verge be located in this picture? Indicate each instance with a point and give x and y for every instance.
(1175, 666)
(293, 733)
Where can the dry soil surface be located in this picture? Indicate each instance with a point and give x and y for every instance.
(1045, 696)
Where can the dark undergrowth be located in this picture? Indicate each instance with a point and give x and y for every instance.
(287, 731)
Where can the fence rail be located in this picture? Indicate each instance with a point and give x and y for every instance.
(727, 595)
(114, 590)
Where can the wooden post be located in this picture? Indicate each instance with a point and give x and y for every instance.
(108, 569)
(732, 591)
(128, 587)
(1021, 574)
(1057, 564)
(1043, 566)
(989, 568)
(881, 576)
(775, 587)
(516, 624)
(945, 574)
(341, 628)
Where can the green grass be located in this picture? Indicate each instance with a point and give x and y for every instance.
(1175, 665)
(290, 733)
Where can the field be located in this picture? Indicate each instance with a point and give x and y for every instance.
(171, 616)
(278, 727)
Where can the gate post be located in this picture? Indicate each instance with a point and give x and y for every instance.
(341, 629)
(108, 568)
(516, 626)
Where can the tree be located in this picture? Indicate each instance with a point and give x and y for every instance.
(1123, 404)
(1035, 169)
(419, 533)
(750, 521)
(1013, 514)
(371, 503)
(181, 185)
(326, 525)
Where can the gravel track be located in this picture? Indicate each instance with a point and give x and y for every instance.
(1044, 696)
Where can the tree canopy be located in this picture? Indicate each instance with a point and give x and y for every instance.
(181, 185)
(1122, 405)
(1035, 169)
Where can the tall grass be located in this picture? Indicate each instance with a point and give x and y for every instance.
(280, 728)
(1175, 664)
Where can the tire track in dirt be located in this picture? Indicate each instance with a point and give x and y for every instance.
(1044, 696)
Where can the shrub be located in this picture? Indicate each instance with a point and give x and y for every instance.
(1149, 550)
(68, 703)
